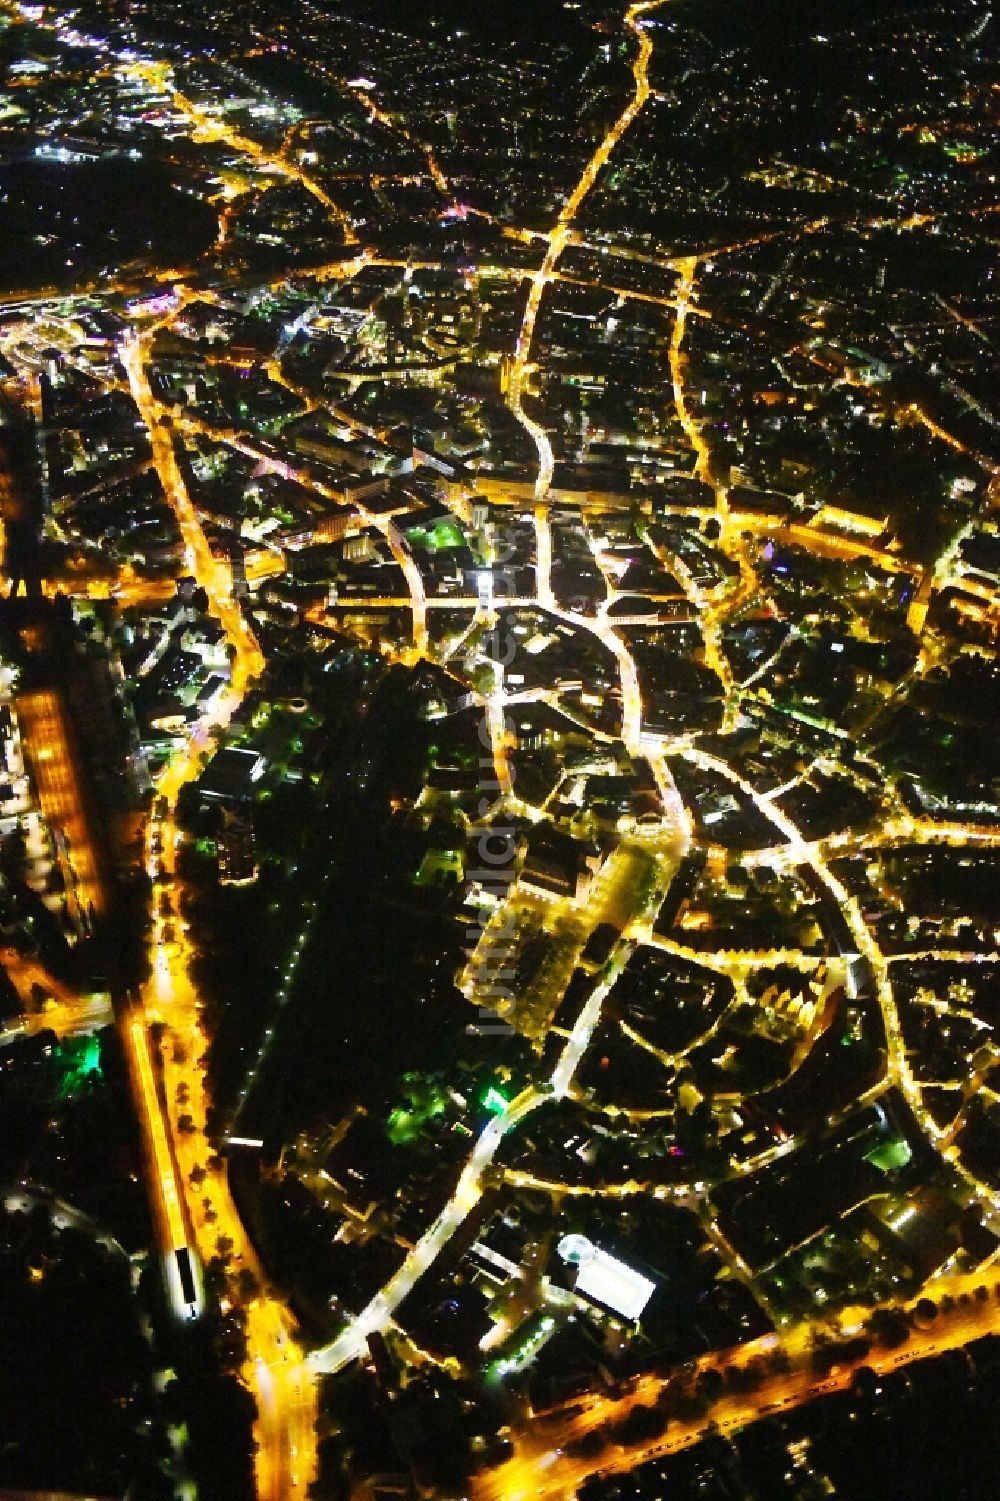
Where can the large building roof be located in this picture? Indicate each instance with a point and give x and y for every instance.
(606, 1280)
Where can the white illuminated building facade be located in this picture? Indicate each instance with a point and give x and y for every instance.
(606, 1280)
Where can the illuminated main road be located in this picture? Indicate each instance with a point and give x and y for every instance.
(274, 1372)
(211, 127)
(376, 1315)
(418, 601)
(194, 1203)
(559, 236)
(351, 1343)
(64, 1011)
(469, 1188)
(899, 1071)
(542, 1467)
(685, 289)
